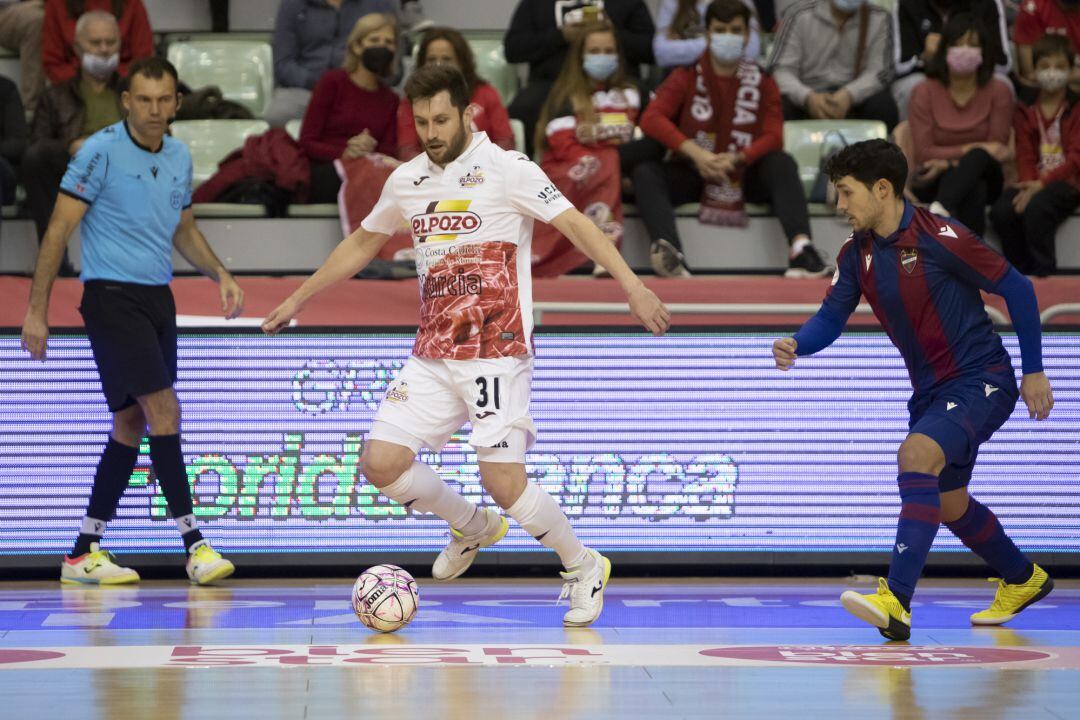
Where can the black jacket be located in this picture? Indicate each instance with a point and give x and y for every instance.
(13, 130)
(535, 34)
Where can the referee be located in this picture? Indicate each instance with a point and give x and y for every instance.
(129, 190)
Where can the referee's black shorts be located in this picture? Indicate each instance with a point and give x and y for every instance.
(132, 331)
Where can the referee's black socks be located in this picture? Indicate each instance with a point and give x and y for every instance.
(168, 461)
(111, 479)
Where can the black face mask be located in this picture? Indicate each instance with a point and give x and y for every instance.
(377, 60)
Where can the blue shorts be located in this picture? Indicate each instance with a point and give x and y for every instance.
(960, 416)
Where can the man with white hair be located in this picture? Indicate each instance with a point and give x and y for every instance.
(72, 111)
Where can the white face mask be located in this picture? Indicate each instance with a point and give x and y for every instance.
(100, 68)
(1052, 79)
(725, 47)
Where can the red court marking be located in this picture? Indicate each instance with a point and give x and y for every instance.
(877, 655)
(20, 655)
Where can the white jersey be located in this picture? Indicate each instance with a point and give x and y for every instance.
(472, 226)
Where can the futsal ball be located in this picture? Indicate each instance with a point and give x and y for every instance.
(385, 598)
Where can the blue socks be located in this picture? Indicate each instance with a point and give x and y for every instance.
(920, 515)
(980, 530)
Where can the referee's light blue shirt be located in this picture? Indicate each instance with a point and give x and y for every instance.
(135, 198)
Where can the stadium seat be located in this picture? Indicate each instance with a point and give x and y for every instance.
(293, 128)
(243, 69)
(519, 134)
(808, 141)
(491, 64)
(211, 140)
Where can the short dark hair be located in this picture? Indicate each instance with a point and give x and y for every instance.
(1052, 44)
(429, 80)
(727, 10)
(868, 162)
(153, 68)
(955, 28)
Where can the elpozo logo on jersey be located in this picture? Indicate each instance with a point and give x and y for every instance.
(445, 221)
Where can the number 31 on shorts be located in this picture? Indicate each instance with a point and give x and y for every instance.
(489, 392)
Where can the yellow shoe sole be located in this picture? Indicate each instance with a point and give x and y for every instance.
(221, 573)
(1045, 590)
(889, 627)
(607, 576)
(127, 580)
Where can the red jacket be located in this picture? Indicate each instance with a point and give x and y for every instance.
(58, 36)
(660, 118)
(273, 156)
(1026, 126)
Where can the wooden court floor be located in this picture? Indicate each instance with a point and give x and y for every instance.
(487, 649)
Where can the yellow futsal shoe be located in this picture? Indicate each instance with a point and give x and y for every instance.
(97, 567)
(205, 564)
(1011, 599)
(882, 610)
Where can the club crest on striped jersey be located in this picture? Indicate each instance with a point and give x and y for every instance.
(908, 258)
(445, 221)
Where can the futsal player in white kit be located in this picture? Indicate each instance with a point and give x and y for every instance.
(471, 206)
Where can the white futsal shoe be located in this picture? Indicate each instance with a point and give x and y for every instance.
(97, 567)
(585, 588)
(456, 557)
(205, 564)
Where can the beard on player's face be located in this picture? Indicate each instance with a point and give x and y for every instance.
(444, 152)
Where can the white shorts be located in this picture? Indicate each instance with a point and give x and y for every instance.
(430, 400)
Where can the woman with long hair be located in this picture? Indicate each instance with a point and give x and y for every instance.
(585, 128)
(961, 120)
(448, 47)
(352, 113)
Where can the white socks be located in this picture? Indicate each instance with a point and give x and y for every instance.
(421, 489)
(540, 516)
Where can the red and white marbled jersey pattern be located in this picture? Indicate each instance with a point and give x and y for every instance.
(469, 305)
(472, 228)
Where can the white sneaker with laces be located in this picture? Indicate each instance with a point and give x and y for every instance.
(97, 567)
(456, 557)
(205, 564)
(585, 588)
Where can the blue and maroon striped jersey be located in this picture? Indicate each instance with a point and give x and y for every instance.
(923, 283)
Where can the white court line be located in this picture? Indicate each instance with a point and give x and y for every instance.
(396, 650)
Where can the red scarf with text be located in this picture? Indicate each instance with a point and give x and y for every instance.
(723, 122)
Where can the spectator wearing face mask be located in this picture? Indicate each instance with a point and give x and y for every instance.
(72, 111)
(918, 25)
(961, 118)
(541, 32)
(352, 112)
(723, 153)
(309, 39)
(585, 134)
(1047, 128)
(58, 34)
(448, 47)
(1038, 18)
(833, 59)
(680, 33)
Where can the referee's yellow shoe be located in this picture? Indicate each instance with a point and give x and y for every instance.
(205, 564)
(1011, 599)
(883, 610)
